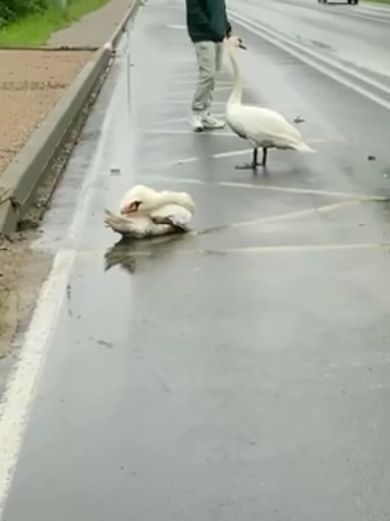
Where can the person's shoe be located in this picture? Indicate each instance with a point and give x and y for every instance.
(197, 122)
(211, 123)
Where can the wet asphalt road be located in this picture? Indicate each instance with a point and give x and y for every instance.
(239, 374)
(355, 36)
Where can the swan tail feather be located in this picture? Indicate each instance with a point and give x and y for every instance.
(117, 223)
(303, 147)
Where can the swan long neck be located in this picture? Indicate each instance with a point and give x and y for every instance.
(167, 197)
(236, 94)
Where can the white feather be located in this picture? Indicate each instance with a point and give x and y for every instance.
(261, 127)
(160, 213)
(178, 215)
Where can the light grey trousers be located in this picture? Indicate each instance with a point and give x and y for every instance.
(209, 57)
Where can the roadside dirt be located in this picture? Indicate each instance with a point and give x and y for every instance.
(31, 83)
(22, 272)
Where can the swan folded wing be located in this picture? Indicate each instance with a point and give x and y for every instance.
(264, 126)
(172, 214)
(129, 227)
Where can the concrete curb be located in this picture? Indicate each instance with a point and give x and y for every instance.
(22, 177)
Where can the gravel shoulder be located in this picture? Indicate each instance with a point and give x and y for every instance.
(31, 83)
(22, 272)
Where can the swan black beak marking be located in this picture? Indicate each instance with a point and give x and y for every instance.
(242, 46)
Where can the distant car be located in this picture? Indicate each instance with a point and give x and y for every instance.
(348, 1)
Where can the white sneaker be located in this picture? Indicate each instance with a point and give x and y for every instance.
(201, 122)
(212, 123)
(197, 122)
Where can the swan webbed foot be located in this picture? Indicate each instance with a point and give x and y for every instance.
(247, 166)
(254, 164)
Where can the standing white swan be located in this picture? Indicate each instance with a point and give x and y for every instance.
(147, 213)
(261, 127)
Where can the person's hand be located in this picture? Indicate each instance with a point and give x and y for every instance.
(228, 30)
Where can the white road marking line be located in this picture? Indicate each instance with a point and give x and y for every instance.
(232, 153)
(226, 88)
(289, 248)
(287, 216)
(189, 132)
(219, 155)
(187, 160)
(316, 61)
(173, 26)
(272, 188)
(22, 383)
(281, 248)
(194, 81)
(228, 133)
(278, 248)
(185, 102)
(184, 120)
(296, 214)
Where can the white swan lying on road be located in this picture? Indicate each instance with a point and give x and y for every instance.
(261, 127)
(147, 213)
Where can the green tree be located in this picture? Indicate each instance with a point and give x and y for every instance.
(10, 10)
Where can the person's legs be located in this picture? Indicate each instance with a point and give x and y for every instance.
(219, 57)
(206, 58)
(218, 48)
(206, 53)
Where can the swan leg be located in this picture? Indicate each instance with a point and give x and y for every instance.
(253, 164)
(264, 160)
(254, 159)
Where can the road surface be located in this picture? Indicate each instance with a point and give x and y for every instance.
(238, 374)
